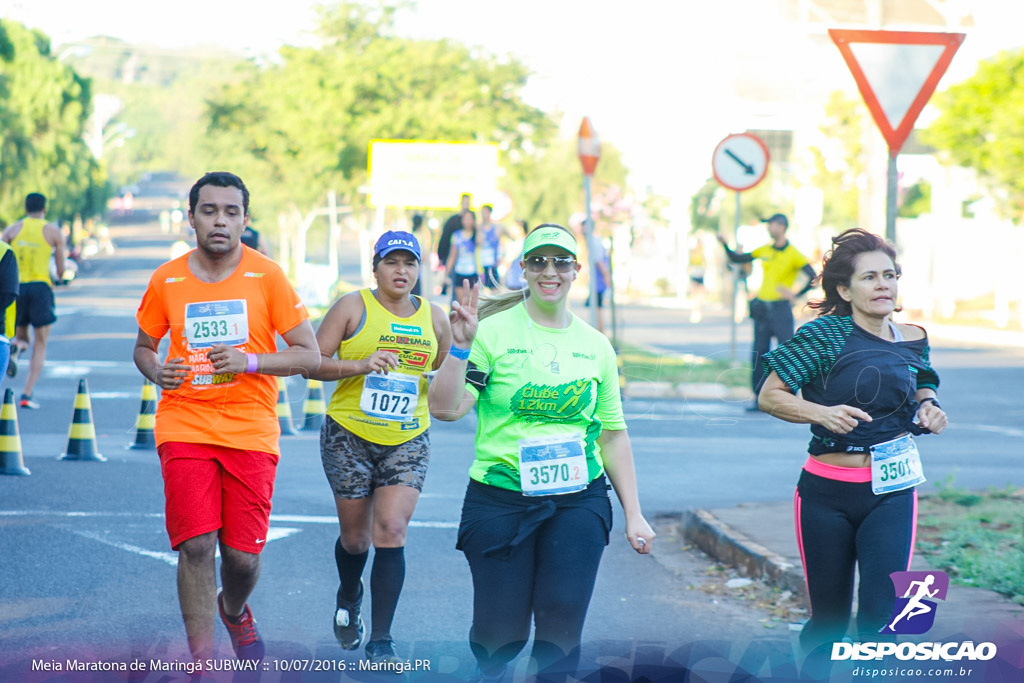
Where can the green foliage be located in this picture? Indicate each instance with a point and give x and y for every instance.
(639, 364)
(979, 126)
(547, 184)
(976, 537)
(916, 200)
(44, 107)
(299, 127)
(837, 164)
(713, 207)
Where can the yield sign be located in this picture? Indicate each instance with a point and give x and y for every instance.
(896, 73)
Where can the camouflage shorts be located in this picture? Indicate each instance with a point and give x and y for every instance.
(355, 466)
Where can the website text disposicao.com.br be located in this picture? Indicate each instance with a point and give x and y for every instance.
(909, 672)
(948, 666)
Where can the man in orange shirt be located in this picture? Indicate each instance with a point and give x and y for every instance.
(223, 305)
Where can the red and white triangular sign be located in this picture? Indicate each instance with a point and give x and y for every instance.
(896, 73)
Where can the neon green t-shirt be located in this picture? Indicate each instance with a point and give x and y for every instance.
(542, 382)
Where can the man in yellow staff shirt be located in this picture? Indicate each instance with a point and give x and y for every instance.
(34, 241)
(772, 308)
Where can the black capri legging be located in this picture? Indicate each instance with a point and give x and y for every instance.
(532, 557)
(840, 523)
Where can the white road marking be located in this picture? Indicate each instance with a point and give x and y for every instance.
(287, 519)
(325, 519)
(170, 557)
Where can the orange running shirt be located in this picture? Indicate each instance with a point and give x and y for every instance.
(247, 310)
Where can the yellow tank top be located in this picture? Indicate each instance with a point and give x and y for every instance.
(387, 409)
(10, 311)
(32, 251)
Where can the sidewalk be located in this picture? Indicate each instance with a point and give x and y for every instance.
(759, 539)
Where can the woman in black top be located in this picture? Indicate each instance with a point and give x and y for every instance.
(866, 385)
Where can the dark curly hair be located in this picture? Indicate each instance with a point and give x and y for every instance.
(839, 263)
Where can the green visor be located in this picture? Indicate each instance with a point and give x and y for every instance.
(549, 237)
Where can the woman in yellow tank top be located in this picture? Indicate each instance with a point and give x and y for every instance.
(375, 446)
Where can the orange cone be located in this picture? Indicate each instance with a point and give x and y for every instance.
(145, 439)
(313, 408)
(284, 409)
(82, 434)
(11, 461)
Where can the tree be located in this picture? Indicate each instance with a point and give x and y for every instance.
(299, 127)
(44, 108)
(836, 164)
(547, 185)
(979, 127)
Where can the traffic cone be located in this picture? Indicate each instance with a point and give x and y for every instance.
(82, 434)
(146, 421)
(284, 409)
(11, 461)
(313, 407)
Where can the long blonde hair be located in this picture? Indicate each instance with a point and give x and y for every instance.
(505, 298)
(502, 300)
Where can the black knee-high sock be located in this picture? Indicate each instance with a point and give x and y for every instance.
(350, 568)
(386, 579)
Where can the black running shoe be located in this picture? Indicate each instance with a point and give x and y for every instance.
(348, 622)
(382, 652)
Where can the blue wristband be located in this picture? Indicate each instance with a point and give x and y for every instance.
(456, 352)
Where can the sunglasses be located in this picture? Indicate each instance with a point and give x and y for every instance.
(537, 264)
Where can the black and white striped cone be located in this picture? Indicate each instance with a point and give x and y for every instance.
(313, 407)
(284, 409)
(11, 461)
(82, 434)
(145, 423)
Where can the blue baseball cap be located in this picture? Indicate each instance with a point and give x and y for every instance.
(395, 240)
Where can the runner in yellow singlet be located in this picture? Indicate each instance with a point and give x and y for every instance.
(375, 443)
(34, 241)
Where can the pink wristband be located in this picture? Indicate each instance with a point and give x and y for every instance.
(252, 366)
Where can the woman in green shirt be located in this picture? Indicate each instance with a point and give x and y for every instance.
(536, 516)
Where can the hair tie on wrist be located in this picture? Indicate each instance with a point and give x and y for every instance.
(461, 354)
(252, 365)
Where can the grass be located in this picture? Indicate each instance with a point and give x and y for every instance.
(975, 537)
(643, 365)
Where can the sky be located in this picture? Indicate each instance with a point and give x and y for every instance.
(655, 79)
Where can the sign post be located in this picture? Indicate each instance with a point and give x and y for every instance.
(896, 73)
(739, 163)
(589, 148)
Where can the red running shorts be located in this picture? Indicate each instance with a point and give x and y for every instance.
(213, 487)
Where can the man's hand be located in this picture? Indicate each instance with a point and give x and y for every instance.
(171, 374)
(227, 359)
(785, 292)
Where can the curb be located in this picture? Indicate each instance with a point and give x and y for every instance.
(727, 545)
